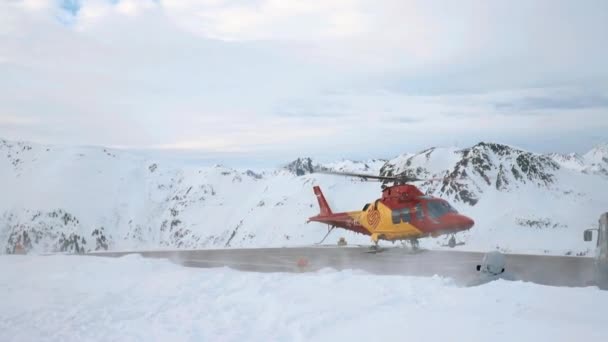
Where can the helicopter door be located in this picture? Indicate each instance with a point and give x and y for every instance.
(418, 213)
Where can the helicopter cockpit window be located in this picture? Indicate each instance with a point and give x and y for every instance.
(439, 208)
(450, 208)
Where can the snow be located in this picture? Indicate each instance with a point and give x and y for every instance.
(571, 161)
(80, 298)
(441, 158)
(598, 154)
(144, 203)
(345, 165)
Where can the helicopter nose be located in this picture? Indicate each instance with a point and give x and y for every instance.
(466, 222)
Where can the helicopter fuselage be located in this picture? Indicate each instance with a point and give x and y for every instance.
(402, 213)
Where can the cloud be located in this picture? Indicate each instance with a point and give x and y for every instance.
(283, 77)
(14, 120)
(555, 100)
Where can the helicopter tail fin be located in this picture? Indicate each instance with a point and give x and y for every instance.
(325, 210)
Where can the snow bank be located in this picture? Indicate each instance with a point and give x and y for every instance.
(76, 298)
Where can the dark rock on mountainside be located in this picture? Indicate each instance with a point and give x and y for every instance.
(303, 166)
(101, 241)
(55, 231)
(253, 174)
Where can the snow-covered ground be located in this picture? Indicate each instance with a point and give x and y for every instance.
(80, 298)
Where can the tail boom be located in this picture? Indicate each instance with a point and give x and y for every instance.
(346, 220)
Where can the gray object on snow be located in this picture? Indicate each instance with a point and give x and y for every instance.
(492, 267)
(600, 264)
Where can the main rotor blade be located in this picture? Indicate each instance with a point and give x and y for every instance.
(360, 175)
(399, 178)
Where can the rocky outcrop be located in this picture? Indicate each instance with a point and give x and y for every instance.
(55, 231)
(303, 166)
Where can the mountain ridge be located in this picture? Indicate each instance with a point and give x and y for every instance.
(121, 200)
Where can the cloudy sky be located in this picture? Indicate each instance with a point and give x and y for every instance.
(275, 79)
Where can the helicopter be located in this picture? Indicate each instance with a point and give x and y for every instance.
(403, 213)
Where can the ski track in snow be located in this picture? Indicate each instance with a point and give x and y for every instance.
(79, 298)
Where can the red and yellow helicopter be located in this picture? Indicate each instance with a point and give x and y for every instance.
(403, 213)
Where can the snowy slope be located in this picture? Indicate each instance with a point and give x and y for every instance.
(127, 201)
(78, 298)
(90, 198)
(593, 162)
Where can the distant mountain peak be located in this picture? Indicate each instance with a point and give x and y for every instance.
(302, 166)
(599, 153)
(498, 148)
(371, 166)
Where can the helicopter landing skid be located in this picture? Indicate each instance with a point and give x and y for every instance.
(375, 249)
(452, 242)
(454, 245)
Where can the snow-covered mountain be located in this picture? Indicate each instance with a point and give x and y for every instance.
(466, 174)
(593, 162)
(93, 198)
